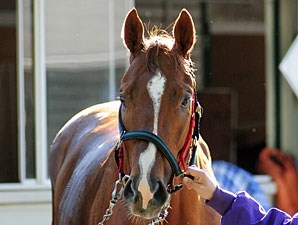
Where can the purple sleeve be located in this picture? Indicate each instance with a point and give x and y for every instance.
(243, 209)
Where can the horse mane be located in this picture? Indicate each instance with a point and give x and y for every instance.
(160, 41)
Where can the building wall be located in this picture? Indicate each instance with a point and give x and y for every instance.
(289, 101)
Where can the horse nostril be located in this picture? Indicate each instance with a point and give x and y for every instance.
(129, 191)
(161, 194)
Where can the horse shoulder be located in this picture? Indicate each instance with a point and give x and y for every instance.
(79, 153)
(93, 118)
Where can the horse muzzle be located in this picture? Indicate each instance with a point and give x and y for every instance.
(146, 203)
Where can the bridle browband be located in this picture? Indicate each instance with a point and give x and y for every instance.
(190, 143)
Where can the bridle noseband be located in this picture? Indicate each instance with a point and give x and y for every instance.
(190, 143)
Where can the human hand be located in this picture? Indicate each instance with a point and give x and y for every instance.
(271, 162)
(202, 182)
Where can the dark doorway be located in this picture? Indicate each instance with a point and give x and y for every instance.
(8, 93)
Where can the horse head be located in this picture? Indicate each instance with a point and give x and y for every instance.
(157, 96)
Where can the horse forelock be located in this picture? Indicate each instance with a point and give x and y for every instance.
(161, 42)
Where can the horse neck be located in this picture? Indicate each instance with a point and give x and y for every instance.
(186, 205)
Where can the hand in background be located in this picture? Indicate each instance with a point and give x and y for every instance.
(282, 169)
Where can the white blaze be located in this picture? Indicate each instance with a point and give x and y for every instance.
(155, 89)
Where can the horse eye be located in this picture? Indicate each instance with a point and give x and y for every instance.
(185, 102)
(122, 100)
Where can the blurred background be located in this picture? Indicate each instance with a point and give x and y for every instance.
(59, 57)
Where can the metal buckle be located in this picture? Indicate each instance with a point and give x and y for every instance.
(176, 184)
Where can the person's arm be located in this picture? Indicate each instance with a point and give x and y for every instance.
(243, 209)
(236, 209)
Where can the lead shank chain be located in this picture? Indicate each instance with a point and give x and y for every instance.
(116, 195)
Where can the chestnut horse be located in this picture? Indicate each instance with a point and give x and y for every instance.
(122, 162)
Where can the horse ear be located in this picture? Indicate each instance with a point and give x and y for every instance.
(133, 31)
(184, 33)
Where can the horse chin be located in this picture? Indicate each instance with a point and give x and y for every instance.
(145, 217)
(147, 214)
(138, 220)
(152, 213)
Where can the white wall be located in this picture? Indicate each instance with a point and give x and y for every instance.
(26, 214)
(79, 32)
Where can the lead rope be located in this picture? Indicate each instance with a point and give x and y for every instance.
(116, 195)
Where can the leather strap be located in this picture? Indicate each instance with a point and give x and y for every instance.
(160, 145)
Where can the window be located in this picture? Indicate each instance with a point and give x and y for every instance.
(83, 58)
(56, 59)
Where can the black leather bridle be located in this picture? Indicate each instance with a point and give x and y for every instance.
(161, 146)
